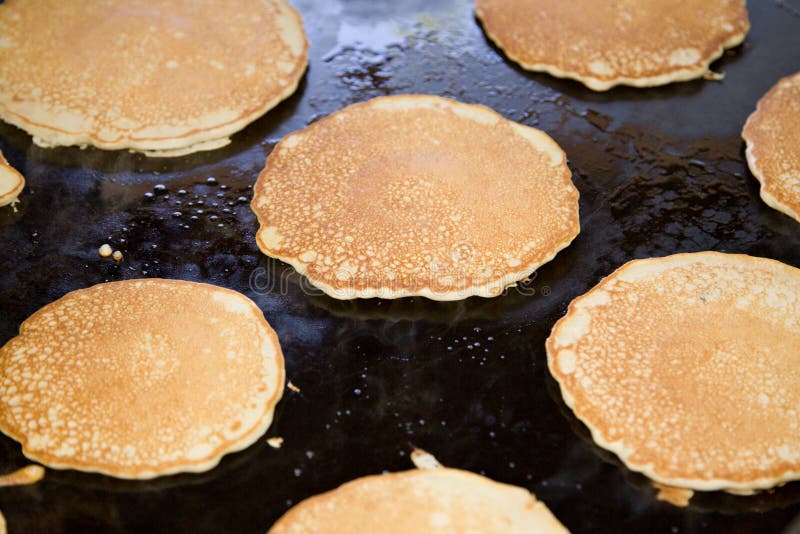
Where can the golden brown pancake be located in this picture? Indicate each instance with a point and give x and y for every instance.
(140, 378)
(773, 150)
(604, 43)
(415, 195)
(30, 474)
(422, 500)
(2, 524)
(688, 368)
(11, 183)
(165, 77)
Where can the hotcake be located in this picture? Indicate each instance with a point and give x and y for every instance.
(165, 77)
(140, 378)
(688, 368)
(11, 183)
(773, 150)
(600, 43)
(438, 500)
(415, 195)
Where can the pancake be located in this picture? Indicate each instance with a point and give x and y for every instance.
(688, 368)
(415, 195)
(140, 378)
(11, 183)
(2, 524)
(773, 152)
(165, 77)
(422, 500)
(601, 43)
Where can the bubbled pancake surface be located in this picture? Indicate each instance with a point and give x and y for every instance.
(438, 500)
(415, 195)
(688, 368)
(140, 378)
(772, 134)
(166, 77)
(604, 43)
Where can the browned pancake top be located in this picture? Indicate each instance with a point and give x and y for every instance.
(772, 133)
(604, 43)
(145, 74)
(140, 378)
(688, 368)
(415, 195)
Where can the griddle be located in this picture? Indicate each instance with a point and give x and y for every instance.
(659, 171)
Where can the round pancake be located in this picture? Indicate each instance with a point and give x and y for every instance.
(140, 378)
(415, 195)
(604, 43)
(165, 77)
(422, 500)
(11, 183)
(773, 150)
(688, 368)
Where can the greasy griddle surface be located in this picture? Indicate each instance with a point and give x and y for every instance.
(659, 171)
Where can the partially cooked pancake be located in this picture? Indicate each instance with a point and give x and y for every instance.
(438, 500)
(165, 77)
(688, 368)
(772, 134)
(11, 183)
(415, 195)
(140, 378)
(603, 43)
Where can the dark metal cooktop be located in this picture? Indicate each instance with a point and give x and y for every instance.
(659, 171)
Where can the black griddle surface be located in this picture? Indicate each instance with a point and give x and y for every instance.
(659, 171)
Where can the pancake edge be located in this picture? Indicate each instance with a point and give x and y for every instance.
(545, 516)
(197, 466)
(753, 122)
(12, 196)
(601, 85)
(618, 447)
(488, 290)
(194, 140)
